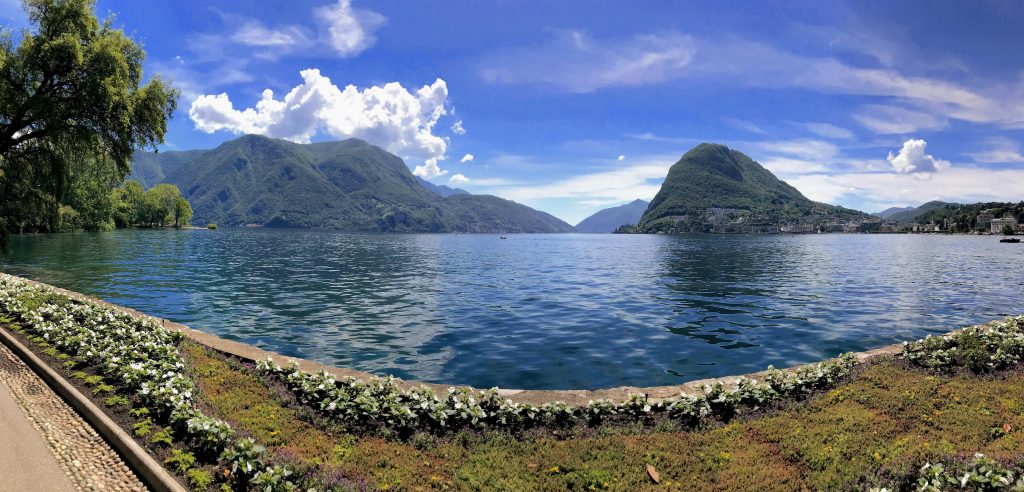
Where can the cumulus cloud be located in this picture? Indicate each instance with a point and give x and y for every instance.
(458, 179)
(466, 158)
(576, 62)
(457, 128)
(912, 159)
(349, 30)
(390, 116)
(429, 170)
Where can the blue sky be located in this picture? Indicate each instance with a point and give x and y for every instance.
(571, 107)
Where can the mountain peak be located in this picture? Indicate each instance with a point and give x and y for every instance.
(714, 177)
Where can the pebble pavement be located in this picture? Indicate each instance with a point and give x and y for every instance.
(84, 457)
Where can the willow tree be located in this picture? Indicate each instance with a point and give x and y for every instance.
(72, 104)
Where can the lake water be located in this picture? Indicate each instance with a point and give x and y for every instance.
(541, 311)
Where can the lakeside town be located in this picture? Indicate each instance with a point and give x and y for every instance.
(737, 221)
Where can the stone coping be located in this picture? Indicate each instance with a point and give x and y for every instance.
(536, 397)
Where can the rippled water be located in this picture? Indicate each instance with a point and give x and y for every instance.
(541, 311)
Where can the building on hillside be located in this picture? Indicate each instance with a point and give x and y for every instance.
(797, 229)
(984, 222)
(996, 225)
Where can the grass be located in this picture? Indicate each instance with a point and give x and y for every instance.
(881, 426)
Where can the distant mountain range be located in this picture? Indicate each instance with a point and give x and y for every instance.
(610, 219)
(440, 190)
(346, 185)
(906, 215)
(713, 188)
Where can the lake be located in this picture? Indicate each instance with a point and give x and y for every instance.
(552, 311)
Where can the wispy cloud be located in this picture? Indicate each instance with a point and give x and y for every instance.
(744, 125)
(574, 61)
(829, 130)
(897, 120)
(627, 183)
(1001, 150)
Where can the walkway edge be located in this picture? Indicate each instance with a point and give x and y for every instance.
(150, 471)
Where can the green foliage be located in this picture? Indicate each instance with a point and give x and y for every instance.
(73, 109)
(965, 216)
(163, 437)
(182, 212)
(349, 185)
(211, 226)
(143, 428)
(199, 479)
(116, 400)
(181, 461)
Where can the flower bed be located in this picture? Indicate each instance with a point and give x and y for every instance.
(142, 360)
(379, 404)
(992, 346)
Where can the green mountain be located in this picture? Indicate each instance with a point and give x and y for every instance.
(609, 219)
(346, 185)
(907, 216)
(714, 188)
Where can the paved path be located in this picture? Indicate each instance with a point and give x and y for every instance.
(45, 445)
(25, 459)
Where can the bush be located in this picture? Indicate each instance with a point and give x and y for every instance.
(211, 226)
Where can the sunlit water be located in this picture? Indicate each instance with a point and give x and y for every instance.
(541, 311)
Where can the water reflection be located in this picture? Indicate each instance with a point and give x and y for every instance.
(540, 311)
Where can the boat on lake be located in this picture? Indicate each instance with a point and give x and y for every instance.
(1010, 240)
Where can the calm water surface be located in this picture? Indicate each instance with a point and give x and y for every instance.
(541, 311)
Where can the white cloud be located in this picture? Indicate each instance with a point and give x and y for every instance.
(429, 170)
(829, 130)
(576, 62)
(349, 30)
(912, 159)
(897, 120)
(466, 158)
(459, 179)
(621, 157)
(959, 184)
(389, 115)
(457, 128)
(1001, 150)
(254, 33)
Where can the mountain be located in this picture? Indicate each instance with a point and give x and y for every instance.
(908, 215)
(609, 219)
(346, 185)
(713, 188)
(889, 212)
(440, 190)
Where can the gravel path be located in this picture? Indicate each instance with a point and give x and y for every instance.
(80, 453)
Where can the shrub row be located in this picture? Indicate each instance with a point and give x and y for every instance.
(143, 358)
(379, 403)
(981, 348)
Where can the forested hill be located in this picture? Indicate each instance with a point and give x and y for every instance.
(346, 185)
(712, 182)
